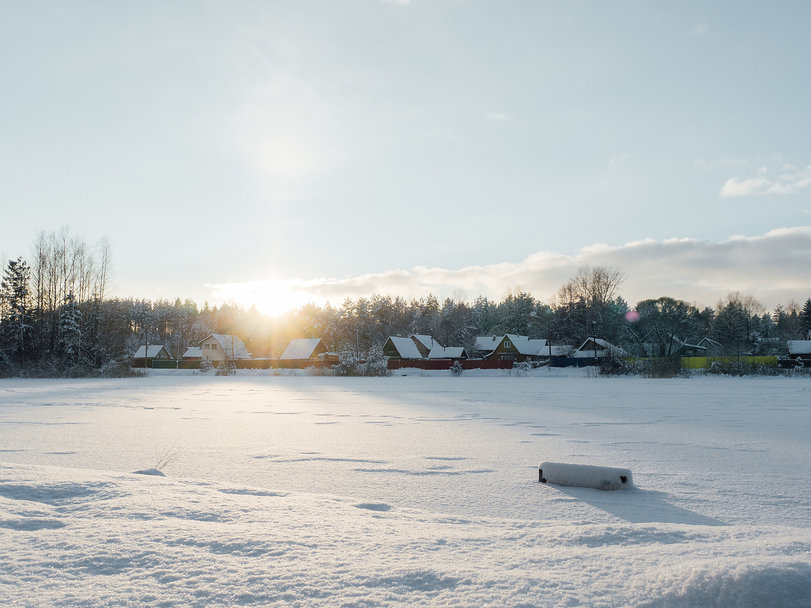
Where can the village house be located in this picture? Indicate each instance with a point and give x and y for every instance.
(144, 356)
(448, 352)
(222, 347)
(419, 346)
(712, 348)
(397, 347)
(512, 347)
(425, 344)
(800, 351)
(304, 349)
(192, 353)
(595, 348)
(306, 352)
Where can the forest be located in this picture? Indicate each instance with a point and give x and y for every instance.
(57, 318)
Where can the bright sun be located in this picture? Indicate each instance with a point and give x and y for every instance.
(271, 296)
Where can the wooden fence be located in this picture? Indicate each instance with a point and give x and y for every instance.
(445, 364)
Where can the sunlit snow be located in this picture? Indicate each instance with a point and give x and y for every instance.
(404, 491)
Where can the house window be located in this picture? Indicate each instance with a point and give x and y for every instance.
(507, 344)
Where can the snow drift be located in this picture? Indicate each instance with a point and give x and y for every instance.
(584, 476)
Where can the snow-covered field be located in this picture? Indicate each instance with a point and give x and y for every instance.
(407, 491)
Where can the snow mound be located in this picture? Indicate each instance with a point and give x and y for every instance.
(585, 476)
(777, 583)
(156, 472)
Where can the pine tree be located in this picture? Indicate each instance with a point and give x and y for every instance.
(16, 327)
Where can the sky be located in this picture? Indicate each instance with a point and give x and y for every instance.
(282, 152)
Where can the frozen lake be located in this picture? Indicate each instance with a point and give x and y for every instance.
(406, 490)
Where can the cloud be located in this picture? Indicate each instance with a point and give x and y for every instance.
(790, 181)
(772, 267)
(497, 116)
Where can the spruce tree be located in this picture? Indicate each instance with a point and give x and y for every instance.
(16, 327)
(70, 331)
(805, 317)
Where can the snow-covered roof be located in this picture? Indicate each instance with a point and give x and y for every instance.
(523, 344)
(587, 348)
(527, 346)
(225, 341)
(153, 351)
(406, 348)
(560, 350)
(301, 348)
(799, 347)
(597, 341)
(487, 343)
(193, 352)
(446, 352)
(427, 341)
(708, 342)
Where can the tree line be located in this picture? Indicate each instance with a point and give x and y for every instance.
(57, 319)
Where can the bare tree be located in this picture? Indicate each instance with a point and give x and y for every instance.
(585, 300)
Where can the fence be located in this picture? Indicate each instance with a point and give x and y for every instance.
(253, 364)
(746, 360)
(445, 364)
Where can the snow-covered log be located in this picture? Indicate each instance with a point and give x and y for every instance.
(584, 476)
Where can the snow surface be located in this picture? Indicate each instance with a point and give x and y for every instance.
(404, 491)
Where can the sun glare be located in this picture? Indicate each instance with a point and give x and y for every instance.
(272, 297)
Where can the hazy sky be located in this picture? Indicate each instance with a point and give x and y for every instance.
(282, 151)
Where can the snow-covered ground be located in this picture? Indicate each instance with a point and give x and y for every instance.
(407, 491)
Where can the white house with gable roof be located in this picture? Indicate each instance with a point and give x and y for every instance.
(223, 347)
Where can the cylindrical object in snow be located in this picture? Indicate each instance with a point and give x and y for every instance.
(584, 476)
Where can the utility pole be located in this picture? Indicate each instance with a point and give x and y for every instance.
(233, 355)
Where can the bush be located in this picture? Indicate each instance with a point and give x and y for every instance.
(373, 363)
(663, 367)
(615, 366)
